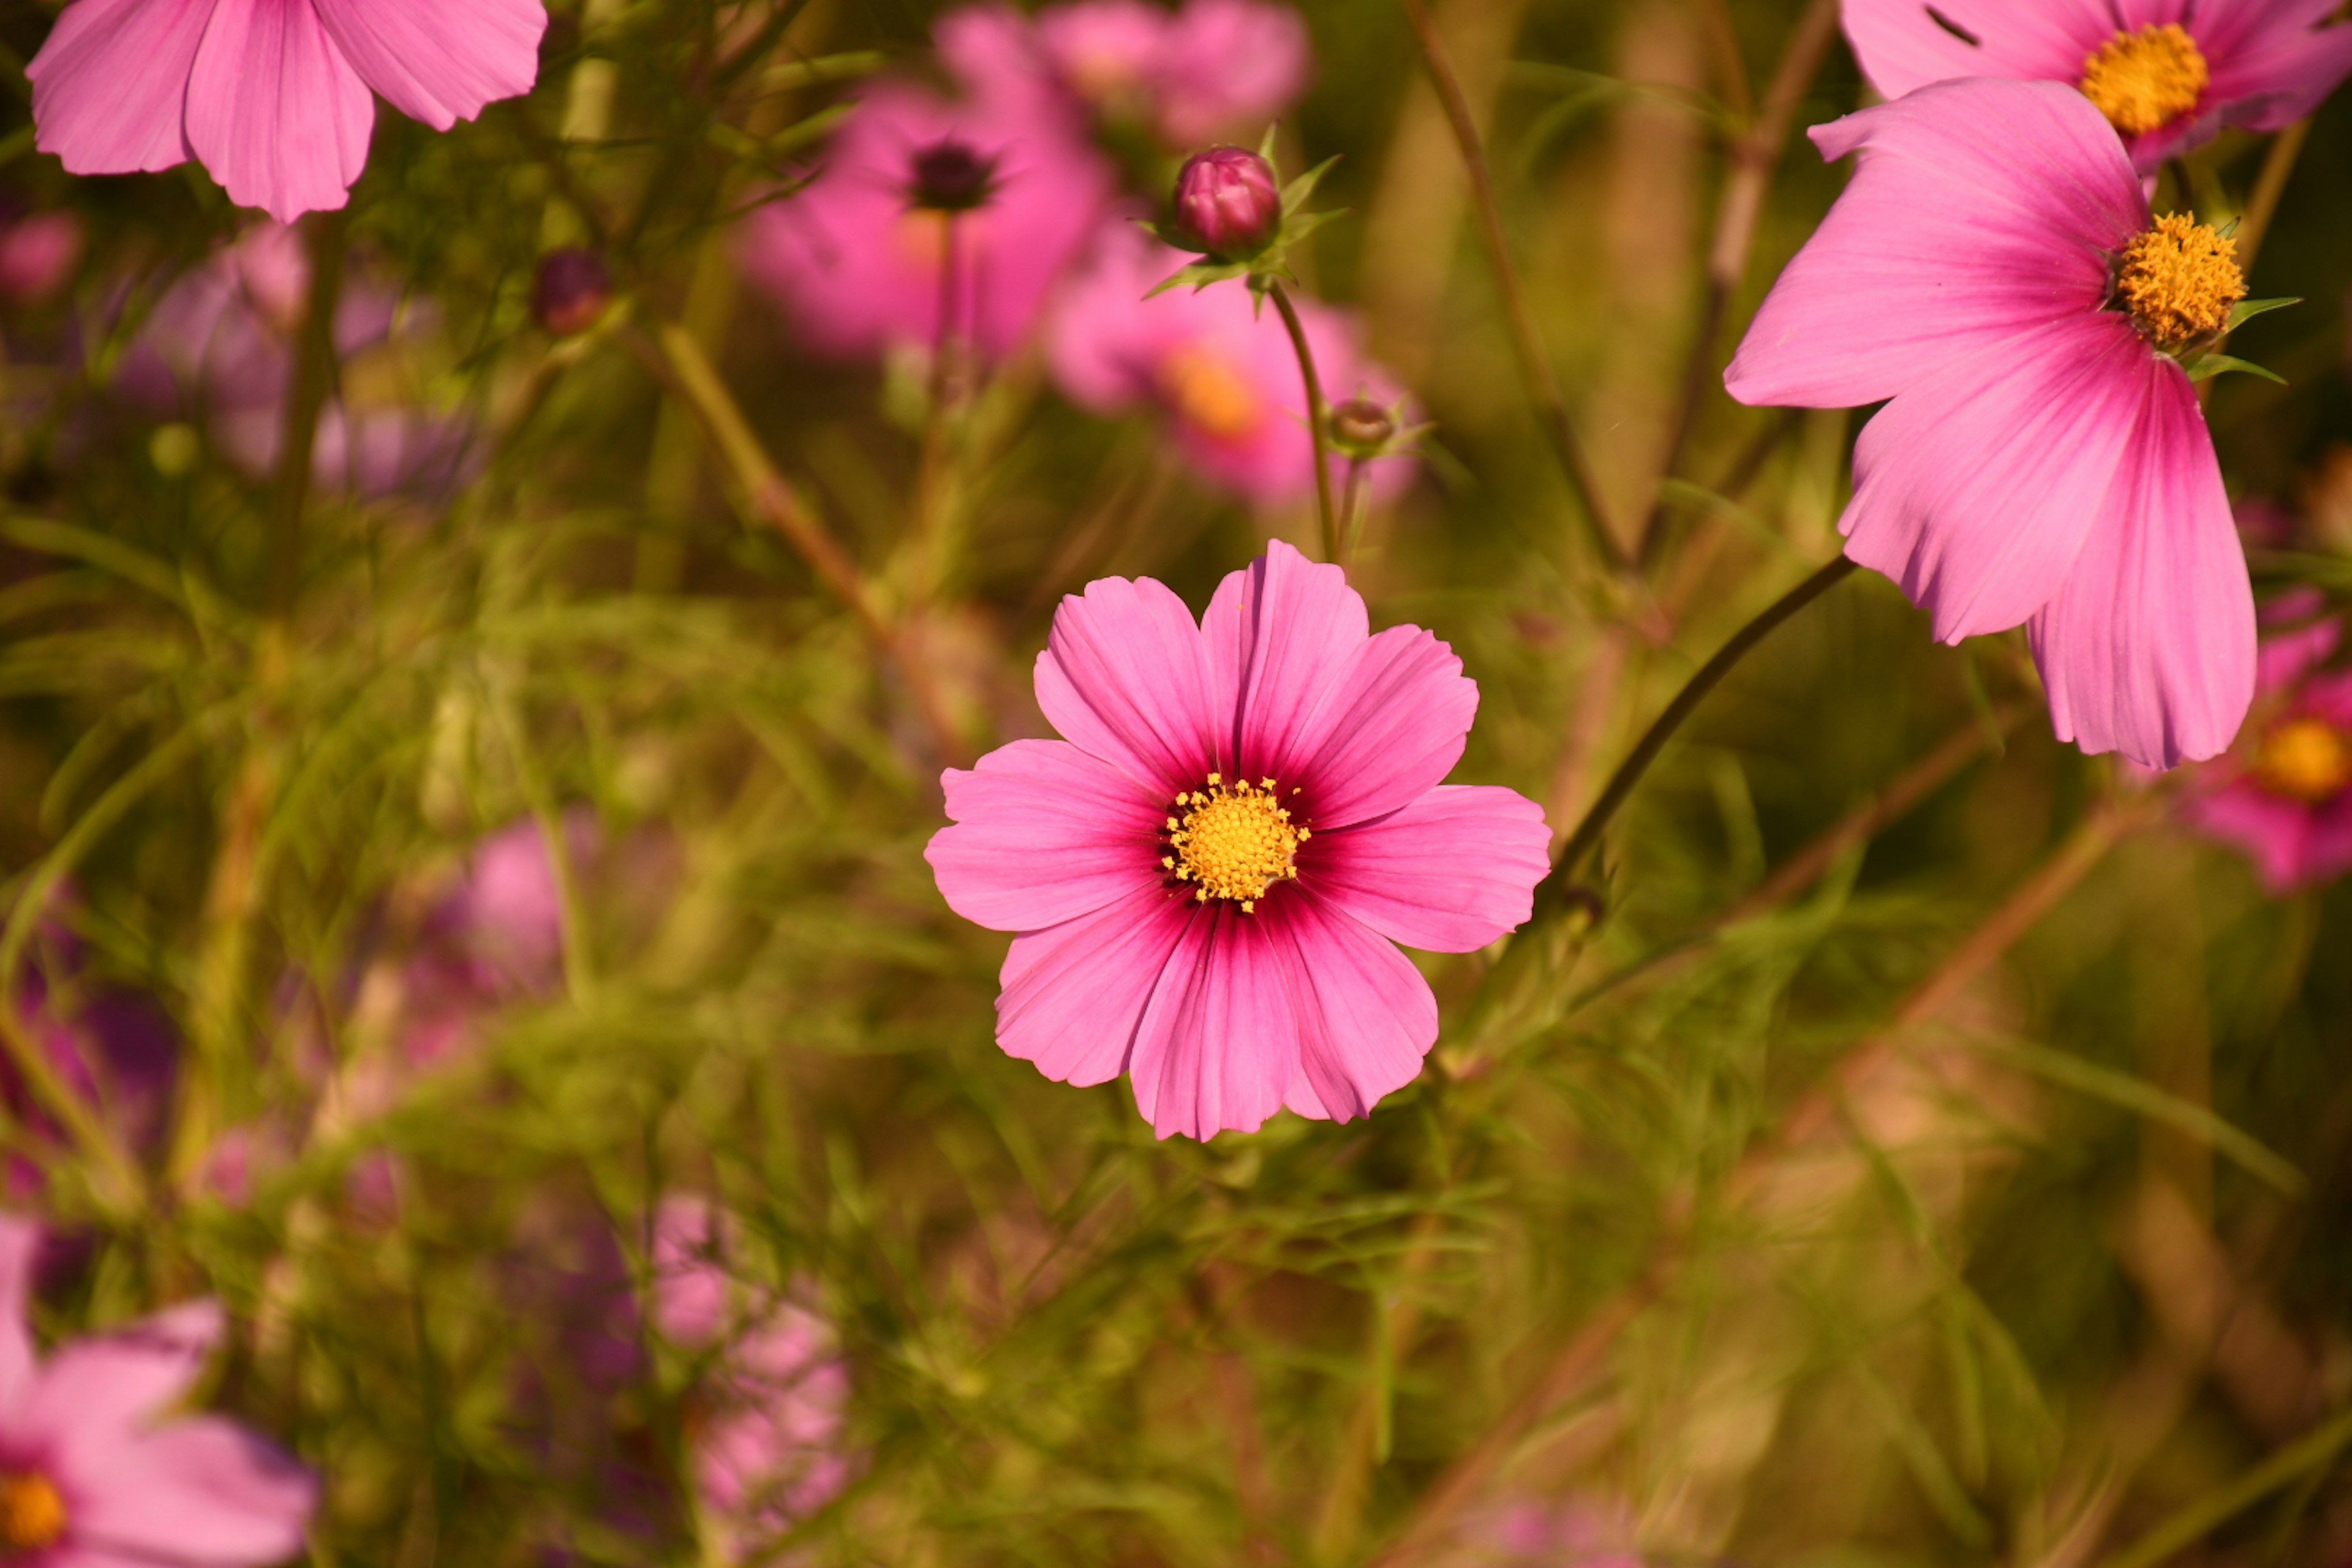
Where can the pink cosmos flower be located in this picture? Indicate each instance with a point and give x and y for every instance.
(1209, 875)
(271, 95)
(2168, 74)
(91, 1476)
(2288, 805)
(1213, 69)
(37, 252)
(1994, 269)
(1223, 374)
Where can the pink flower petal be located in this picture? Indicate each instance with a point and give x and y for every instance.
(1279, 634)
(1124, 676)
(20, 1247)
(1976, 487)
(202, 1491)
(1902, 47)
(1218, 1041)
(93, 1390)
(2275, 64)
(275, 111)
(2149, 650)
(1449, 873)
(1044, 833)
(1389, 731)
(1229, 68)
(437, 62)
(1365, 1017)
(111, 84)
(2272, 832)
(1075, 994)
(1980, 210)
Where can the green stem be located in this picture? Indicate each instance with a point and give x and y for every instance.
(2192, 1523)
(1334, 547)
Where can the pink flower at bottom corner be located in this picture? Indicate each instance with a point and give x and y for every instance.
(90, 1476)
(1209, 875)
(2284, 798)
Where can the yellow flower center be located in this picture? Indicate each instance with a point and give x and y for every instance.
(1208, 394)
(32, 1514)
(2179, 281)
(1233, 841)
(2305, 758)
(2146, 79)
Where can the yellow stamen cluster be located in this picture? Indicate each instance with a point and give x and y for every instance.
(1233, 841)
(2144, 79)
(2179, 281)
(32, 1514)
(1205, 391)
(2305, 758)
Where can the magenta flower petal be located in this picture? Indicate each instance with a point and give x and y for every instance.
(1366, 1017)
(2273, 831)
(2149, 650)
(436, 62)
(1075, 994)
(110, 85)
(275, 111)
(1980, 211)
(1044, 833)
(2282, 68)
(20, 1247)
(96, 1389)
(1219, 1040)
(198, 1491)
(1279, 632)
(1391, 729)
(1903, 46)
(1125, 676)
(1450, 872)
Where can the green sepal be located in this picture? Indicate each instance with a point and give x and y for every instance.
(1295, 194)
(2211, 365)
(1200, 275)
(2245, 311)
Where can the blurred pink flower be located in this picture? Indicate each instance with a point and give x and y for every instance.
(1209, 874)
(1574, 1532)
(273, 97)
(88, 1473)
(2044, 460)
(1211, 69)
(496, 937)
(2168, 74)
(1222, 373)
(2287, 803)
(860, 264)
(37, 252)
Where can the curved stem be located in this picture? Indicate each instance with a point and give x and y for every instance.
(1317, 421)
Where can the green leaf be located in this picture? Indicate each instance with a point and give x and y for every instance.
(2208, 367)
(1200, 275)
(2245, 311)
(1295, 194)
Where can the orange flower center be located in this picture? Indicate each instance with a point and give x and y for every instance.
(32, 1514)
(1208, 394)
(1233, 841)
(2179, 281)
(2144, 79)
(2305, 759)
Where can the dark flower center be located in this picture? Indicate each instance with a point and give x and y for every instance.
(950, 177)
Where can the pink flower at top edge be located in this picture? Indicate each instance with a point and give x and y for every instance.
(273, 97)
(1222, 374)
(1209, 875)
(1212, 68)
(2041, 461)
(859, 266)
(2285, 797)
(93, 1471)
(2166, 73)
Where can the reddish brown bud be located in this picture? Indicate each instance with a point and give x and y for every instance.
(571, 292)
(1227, 204)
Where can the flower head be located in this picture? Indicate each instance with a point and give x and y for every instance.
(570, 290)
(89, 1472)
(275, 97)
(1208, 876)
(1227, 204)
(1995, 270)
(2166, 75)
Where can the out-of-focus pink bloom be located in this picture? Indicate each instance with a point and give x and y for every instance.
(1222, 373)
(1554, 1533)
(273, 97)
(37, 252)
(91, 1472)
(768, 1444)
(1227, 202)
(219, 348)
(570, 290)
(2168, 74)
(860, 263)
(1209, 877)
(2286, 796)
(494, 938)
(1994, 268)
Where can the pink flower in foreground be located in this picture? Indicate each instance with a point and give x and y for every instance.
(2289, 806)
(91, 1476)
(2166, 73)
(1223, 373)
(273, 97)
(1209, 875)
(1994, 269)
(1210, 70)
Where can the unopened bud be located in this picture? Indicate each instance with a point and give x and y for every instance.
(950, 177)
(1362, 428)
(571, 292)
(1227, 205)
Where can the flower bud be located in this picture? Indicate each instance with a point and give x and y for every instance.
(950, 177)
(1227, 205)
(1362, 428)
(571, 292)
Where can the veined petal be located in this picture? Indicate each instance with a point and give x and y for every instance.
(2149, 648)
(2274, 63)
(436, 62)
(1449, 873)
(1981, 210)
(1902, 45)
(1074, 994)
(1042, 832)
(1218, 1042)
(1366, 1019)
(1125, 676)
(275, 111)
(1279, 634)
(201, 1492)
(1390, 730)
(111, 84)
(1974, 488)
